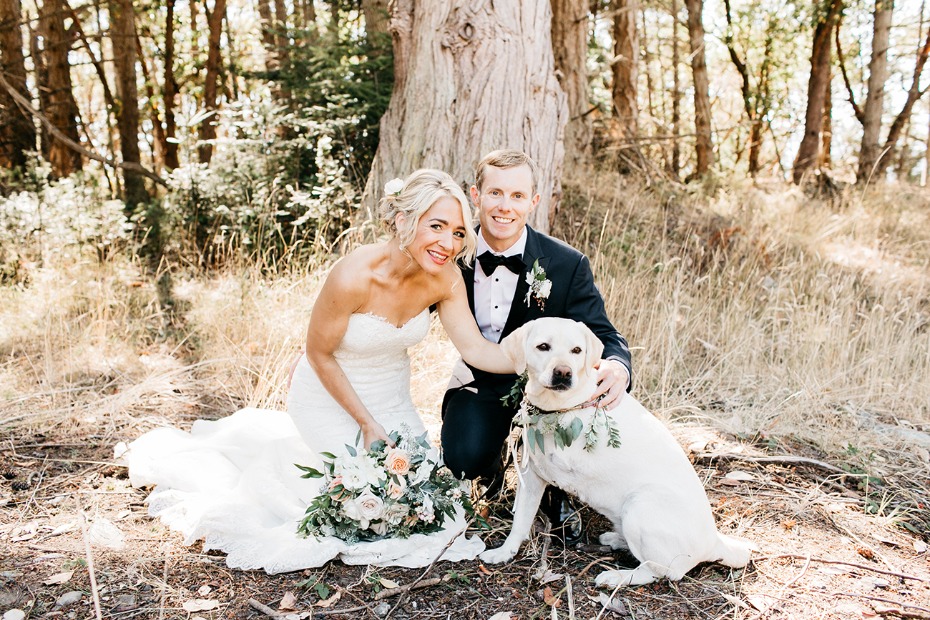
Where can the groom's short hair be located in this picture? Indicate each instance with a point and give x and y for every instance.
(506, 158)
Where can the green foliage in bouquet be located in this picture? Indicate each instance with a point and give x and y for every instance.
(384, 492)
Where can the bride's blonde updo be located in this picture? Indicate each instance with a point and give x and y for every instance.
(419, 192)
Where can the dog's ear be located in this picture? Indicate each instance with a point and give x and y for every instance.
(594, 347)
(514, 348)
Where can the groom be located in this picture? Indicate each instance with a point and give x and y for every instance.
(475, 420)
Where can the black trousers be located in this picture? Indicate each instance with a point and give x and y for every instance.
(475, 424)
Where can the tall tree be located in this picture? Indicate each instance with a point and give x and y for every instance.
(267, 24)
(809, 151)
(624, 93)
(704, 144)
(675, 164)
(17, 130)
(874, 102)
(59, 105)
(377, 21)
(488, 70)
(170, 91)
(208, 126)
(570, 51)
(123, 42)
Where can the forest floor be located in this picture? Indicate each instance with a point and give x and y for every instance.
(73, 530)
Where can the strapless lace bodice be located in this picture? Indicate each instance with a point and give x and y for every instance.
(232, 482)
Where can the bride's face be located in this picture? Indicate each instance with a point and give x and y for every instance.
(440, 235)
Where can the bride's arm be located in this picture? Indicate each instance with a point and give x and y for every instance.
(459, 323)
(341, 295)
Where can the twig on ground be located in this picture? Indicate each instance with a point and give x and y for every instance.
(90, 559)
(403, 595)
(268, 611)
(852, 535)
(784, 588)
(416, 585)
(544, 552)
(853, 564)
(785, 459)
(919, 614)
(164, 584)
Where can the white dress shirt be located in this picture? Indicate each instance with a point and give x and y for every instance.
(494, 292)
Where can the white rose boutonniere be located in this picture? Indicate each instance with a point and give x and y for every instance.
(393, 187)
(540, 287)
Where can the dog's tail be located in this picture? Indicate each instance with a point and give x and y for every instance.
(733, 552)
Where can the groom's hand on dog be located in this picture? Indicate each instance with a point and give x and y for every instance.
(612, 381)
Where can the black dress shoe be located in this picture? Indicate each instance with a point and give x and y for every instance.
(564, 516)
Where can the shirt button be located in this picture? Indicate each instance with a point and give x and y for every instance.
(495, 307)
(497, 279)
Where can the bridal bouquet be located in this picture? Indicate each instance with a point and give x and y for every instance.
(384, 492)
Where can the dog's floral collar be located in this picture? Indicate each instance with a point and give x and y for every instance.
(537, 423)
(540, 287)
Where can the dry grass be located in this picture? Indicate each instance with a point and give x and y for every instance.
(763, 319)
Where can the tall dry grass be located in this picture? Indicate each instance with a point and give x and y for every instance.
(754, 309)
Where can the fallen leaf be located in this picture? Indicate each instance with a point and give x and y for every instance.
(734, 600)
(103, 533)
(549, 577)
(388, 583)
(484, 570)
(330, 601)
(14, 614)
(550, 599)
(200, 604)
(758, 602)
(920, 546)
(204, 590)
(502, 615)
(788, 524)
(59, 578)
(865, 552)
(612, 604)
(742, 476)
(288, 601)
(69, 598)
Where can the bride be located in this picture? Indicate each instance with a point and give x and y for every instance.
(233, 482)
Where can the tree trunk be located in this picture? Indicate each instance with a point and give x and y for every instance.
(170, 91)
(704, 144)
(377, 21)
(874, 102)
(17, 128)
(817, 85)
(625, 70)
(826, 133)
(282, 39)
(267, 24)
(476, 76)
(123, 41)
(61, 108)
(208, 126)
(160, 138)
(913, 95)
(570, 51)
(676, 96)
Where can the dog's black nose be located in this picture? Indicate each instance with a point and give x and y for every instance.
(561, 377)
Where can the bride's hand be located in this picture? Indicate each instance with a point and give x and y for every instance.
(373, 432)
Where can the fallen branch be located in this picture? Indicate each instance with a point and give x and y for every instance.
(26, 105)
(785, 459)
(891, 612)
(840, 562)
(90, 559)
(416, 585)
(268, 611)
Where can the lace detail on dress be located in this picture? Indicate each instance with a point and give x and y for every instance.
(232, 482)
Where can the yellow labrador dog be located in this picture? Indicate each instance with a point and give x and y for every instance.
(629, 467)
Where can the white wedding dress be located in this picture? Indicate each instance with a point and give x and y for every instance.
(233, 483)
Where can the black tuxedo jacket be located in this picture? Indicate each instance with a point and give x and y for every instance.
(573, 296)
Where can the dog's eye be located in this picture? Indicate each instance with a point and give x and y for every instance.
(543, 346)
(576, 350)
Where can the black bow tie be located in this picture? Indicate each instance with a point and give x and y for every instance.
(490, 262)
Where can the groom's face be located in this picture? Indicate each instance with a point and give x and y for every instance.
(504, 201)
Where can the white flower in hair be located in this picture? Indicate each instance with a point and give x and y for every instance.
(393, 187)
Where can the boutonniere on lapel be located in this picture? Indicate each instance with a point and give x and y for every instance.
(540, 287)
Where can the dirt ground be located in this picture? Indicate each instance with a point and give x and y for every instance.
(74, 534)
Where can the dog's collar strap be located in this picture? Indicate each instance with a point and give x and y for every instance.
(537, 423)
(534, 410)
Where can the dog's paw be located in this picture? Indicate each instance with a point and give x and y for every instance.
(614, 540)
(497, 556)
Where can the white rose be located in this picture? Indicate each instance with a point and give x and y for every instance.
(352, 510)
(380, 528)
(544, 289)
(395, 489)
(395, 512)
(359, 472)
(393, 187)
(370, 506)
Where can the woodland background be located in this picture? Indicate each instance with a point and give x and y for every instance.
(748, 178)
